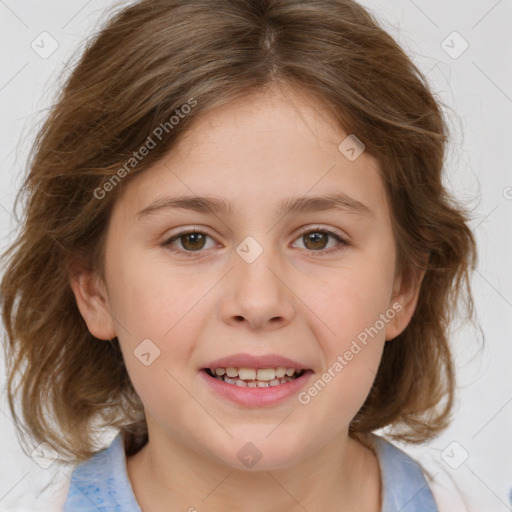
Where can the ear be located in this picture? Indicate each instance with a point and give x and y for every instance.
(406, 290)
(92, 300)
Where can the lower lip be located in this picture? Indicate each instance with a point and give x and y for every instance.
(256, 397)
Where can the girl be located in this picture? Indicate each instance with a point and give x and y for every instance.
(238, 253)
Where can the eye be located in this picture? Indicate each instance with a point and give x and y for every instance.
(317, 238)
(190, 240)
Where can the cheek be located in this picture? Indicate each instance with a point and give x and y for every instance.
(156, 314)
(350, 298)
(152, 298)
(350, 304)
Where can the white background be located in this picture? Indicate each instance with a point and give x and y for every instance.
(477, 88)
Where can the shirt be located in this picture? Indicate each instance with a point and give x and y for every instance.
(101, 484)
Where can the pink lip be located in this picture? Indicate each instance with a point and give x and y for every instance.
(249, 361)
(256, 397)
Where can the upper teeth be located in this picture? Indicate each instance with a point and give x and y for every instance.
(264, 374)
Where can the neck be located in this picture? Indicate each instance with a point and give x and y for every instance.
(342, 476)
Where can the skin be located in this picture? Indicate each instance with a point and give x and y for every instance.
(294, 300)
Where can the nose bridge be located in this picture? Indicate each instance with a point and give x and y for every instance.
(259, 291)
(257, 265)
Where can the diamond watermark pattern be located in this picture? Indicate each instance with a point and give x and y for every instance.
(454, 455)
(454, 45)
(44, 455)
(146, 352)
(249, 455)
(44, 45)
(249, 249)
(351, 147)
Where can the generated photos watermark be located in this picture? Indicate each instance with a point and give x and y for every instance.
(137, 156)
(343, 360)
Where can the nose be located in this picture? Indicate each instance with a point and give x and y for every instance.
(257, 293)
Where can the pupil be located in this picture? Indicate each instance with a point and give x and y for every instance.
(316, 238)
(193, 236)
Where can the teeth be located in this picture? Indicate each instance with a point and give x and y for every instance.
(253, 383)
(281, 372)
(255, 378)
(266, 374)
(232, 372)
(249, 374)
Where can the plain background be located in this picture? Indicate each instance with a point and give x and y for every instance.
(475, 84)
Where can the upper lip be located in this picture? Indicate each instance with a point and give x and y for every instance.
(243, 360)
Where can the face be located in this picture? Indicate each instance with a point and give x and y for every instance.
(187, 286)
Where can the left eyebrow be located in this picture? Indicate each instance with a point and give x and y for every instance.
(339, 201)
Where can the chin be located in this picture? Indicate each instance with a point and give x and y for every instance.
(260, 453)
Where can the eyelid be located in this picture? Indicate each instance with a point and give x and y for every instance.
(320, 227)
(186, 231)
(342, 239)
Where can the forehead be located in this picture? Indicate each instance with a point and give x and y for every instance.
(261, 151)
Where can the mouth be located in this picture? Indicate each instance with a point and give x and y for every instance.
(255, 387)
(253, 381)
(255, 377)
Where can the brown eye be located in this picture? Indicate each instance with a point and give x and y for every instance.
(317, 240)
(190, 241)
(193, 241)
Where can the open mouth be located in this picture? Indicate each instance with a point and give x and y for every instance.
(255, 378)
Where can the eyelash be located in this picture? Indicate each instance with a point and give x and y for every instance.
(317, 229)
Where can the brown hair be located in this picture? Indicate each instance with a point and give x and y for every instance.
(149, 60)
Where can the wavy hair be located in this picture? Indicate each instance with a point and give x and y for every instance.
(146, 62)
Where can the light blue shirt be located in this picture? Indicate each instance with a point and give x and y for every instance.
(101, 484)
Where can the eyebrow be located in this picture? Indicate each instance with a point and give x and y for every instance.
(339, 201)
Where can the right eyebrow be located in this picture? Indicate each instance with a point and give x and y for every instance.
(195, 203)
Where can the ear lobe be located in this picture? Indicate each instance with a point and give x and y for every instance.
(92, 301)
(406, 292)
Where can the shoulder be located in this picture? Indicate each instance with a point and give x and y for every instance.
(416, 466)
(102, 481)
(404, 485)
